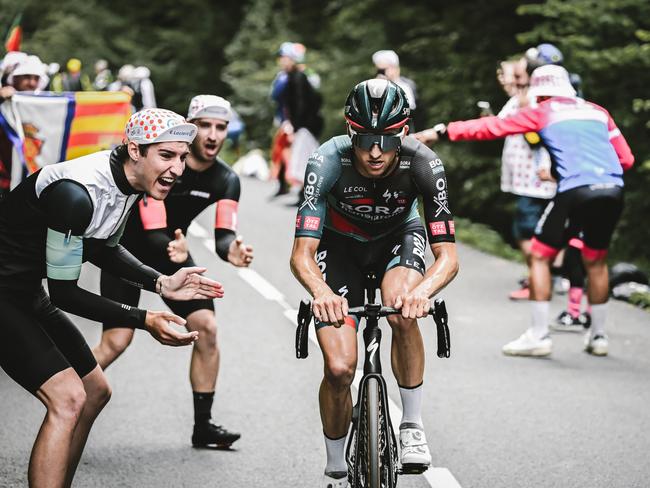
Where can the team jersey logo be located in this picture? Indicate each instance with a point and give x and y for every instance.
(437, 228)
(311, 223)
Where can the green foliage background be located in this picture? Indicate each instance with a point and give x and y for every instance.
(450, 49)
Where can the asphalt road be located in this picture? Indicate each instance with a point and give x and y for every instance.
(572, 420)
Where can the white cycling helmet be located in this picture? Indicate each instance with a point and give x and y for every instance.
(209, 107)
(153, 125)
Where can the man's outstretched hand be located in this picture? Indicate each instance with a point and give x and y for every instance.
(189, 284)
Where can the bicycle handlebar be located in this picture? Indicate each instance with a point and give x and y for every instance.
(374, 310)
(439, 313)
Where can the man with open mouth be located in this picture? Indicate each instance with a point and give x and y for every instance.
(54, 220)
(156, 234)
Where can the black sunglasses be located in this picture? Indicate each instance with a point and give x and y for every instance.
(386, 142)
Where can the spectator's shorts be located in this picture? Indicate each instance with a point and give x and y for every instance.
(39, 340)
(527, 214)
(592, 209)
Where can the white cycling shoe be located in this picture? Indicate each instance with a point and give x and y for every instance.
(528, 344)
(335, 480)
(414, 450)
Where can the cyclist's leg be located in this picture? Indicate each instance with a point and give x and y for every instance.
(599, 216)
(405, 267)
(30, 357)
(115, 337)
(72, 345)
(204, 365)
(339, 348)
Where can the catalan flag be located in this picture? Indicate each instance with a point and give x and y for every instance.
(48, 128)
(98, 122)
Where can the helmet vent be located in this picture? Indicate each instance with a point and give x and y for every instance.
(377, 87)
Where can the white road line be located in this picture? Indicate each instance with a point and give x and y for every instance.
(436, 477)
(264, 288)
(195, 229)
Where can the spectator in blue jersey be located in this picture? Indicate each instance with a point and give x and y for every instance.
(589, 155)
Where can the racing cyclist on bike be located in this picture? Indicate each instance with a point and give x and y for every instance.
(360, 212)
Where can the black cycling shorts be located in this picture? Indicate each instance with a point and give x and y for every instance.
(39, 340)
(344, 261)
(592, 209)
(120, 291)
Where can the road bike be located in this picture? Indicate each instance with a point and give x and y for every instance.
(371, 449)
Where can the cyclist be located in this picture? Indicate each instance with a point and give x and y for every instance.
(155, 233)
(588, 154)
(55, 219)
(360, 211)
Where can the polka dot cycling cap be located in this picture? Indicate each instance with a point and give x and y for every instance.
(159, 125)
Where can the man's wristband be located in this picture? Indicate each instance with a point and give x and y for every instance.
(441, 130)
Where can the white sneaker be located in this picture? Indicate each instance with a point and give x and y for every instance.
(413, 445)
(335, 480)
(529, 344)
(596, 345)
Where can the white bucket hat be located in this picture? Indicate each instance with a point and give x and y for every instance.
(153, 125)
(30, 65)
(209, 107)
(551, 81)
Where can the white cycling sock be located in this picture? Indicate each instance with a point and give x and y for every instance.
(411, 404)
(539, 322)
(598, 316)
(335, 454)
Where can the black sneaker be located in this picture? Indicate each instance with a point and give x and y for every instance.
(585, 319)
(565, 322)
(209, 434)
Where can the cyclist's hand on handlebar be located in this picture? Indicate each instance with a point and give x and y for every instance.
(330, 308)
(413, 305)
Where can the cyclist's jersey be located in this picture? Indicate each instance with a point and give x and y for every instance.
(192, 193)
(65, 214)
(338, 198)
(585, 145)
(23, 216)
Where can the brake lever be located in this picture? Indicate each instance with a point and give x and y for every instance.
(441, 319)
(302, 331)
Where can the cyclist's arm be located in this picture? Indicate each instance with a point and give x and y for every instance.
(225, 222)
(304, 266)
(429, 176)
(64, 257)
(323, 169)
(443, 270)
(486, 128)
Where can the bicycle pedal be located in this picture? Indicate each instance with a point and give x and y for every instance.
(412, 468)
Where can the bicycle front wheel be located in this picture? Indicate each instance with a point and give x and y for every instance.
(373, 425)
